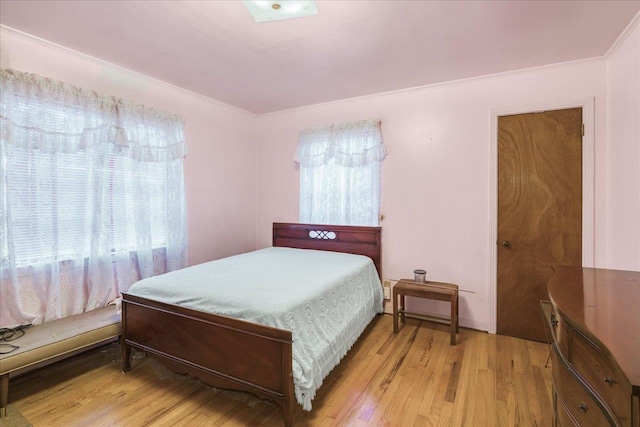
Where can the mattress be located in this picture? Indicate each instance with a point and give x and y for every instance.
(326, 299)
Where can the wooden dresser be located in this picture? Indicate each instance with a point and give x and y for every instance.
(594, 318)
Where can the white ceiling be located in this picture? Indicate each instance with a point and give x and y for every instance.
(351, 48)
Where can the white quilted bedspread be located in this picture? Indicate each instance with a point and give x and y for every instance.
(325, 298)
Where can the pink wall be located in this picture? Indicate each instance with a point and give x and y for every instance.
(220, 193)
(623, 155)
(436, 179)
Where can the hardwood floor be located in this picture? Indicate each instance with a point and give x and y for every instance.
(414, 378)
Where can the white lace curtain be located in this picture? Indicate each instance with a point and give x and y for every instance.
(340, 173)
(91, 195)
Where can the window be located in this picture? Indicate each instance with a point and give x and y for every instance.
(340, 173)
(49, 208)
(92, 197)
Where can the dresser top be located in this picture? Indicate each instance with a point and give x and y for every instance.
(604, 305)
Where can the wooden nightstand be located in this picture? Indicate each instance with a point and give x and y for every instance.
(430, 290)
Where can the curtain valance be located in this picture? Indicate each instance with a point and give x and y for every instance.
(347, 144)
(71, 119)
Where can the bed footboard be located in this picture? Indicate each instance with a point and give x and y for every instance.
(221, 351)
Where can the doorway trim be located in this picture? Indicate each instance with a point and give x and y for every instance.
(588, 188)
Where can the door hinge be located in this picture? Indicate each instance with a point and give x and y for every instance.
(582, 130)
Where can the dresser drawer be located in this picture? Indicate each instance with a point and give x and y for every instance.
(603, 375)
(562, 413)
(578, 401)
(559, 328)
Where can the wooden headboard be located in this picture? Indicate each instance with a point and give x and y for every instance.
(336, 238)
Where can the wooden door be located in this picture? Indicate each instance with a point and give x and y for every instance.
(539, 212)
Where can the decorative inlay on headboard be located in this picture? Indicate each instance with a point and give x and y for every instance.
(327, 235)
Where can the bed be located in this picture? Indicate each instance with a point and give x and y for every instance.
(228, 352)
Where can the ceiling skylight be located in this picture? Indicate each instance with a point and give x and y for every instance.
(268, 10)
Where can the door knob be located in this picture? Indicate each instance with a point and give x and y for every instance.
(506, 244)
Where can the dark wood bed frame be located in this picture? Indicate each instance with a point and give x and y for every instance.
(231, 353)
